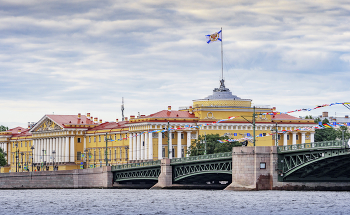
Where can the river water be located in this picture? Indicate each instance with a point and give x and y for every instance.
(136, 201)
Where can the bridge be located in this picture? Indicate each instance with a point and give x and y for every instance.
(327, 161)
(203, 169)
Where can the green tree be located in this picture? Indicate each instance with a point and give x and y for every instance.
(2, 158)
(213, 145)
(339, 133)
(325, 121)
(3, 128)
(326, 134)
(317, 120)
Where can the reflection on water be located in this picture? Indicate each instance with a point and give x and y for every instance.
(122, 201)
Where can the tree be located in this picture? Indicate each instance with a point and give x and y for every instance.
(317, 120)
(326, 134)
(2, 158)
(213, 145)
(325, 121)
(339, 133)
(3, 128)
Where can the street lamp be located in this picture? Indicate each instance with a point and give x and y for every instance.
(32, 148)
(107, 148)
(53, 160)
(16, 155)
(22, 160)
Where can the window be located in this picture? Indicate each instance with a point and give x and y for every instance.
(297, 137)
(79, 140)
(173, 153)
(126, 154)
(13, 145)
(78, 156)
(110, 154)
(99, 154)
(25, 144)
(235, 134)
(287, 136)
(115, 154)
(262, 165)
(264, 134)
(279, 137)
(163, 152)
(94, 139)
(163, 135)
(182, 135)
(99, 138)
(182, 153)
(172, 136)
(120, 153)
(89, 139)
(21, 144)
(94, 155)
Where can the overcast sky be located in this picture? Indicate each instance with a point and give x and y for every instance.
(69, 57)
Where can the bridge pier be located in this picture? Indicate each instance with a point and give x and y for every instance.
(165, 179)
(253, 168)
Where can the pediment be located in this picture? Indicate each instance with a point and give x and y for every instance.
(48, 125)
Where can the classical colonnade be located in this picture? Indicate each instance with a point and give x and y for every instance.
(141, 145)
(62, 146)
(294, 138)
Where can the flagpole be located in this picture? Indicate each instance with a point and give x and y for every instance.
(222, 60)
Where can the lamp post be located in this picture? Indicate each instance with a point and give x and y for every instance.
(107, 148)
(42, 164)
(253, 123)
(22, 160)
(32, 148)
(53, 160)
(126, 153)
(16, 155)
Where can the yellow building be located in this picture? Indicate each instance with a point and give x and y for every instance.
(67, 142)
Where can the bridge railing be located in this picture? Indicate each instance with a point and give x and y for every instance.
(201, 157)
(307, 146)
(136, 165)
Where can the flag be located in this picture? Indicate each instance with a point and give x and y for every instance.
(214, 37)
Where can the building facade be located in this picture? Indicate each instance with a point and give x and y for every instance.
(64, 142)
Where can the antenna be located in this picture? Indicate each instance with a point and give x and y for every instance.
(122, 108)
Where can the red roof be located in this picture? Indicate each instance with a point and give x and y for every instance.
(284, 116)
(24, 132)
(110, 125)
(172, 114)
(69, 119)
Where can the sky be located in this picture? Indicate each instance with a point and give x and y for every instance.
(81, 56)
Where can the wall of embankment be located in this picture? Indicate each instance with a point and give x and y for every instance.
(66, 179)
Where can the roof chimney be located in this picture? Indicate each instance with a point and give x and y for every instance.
(28, 125)
(324, 114)
(190, 110)
(79, 115)
(116, 120)
(88, 115)
(169, 108)
(95, 120)
(19, 130)
(346, 116)
(132, 117)
(126, 118)
(100, 121)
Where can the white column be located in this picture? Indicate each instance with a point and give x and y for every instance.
(62, 145)
(51, 149)
(138, 146)
(45, 148)
(130, 147)
(72, 152)
(179, 144)
(302, 137)
(142, 142)
(150, 146)
(285, 139)
(57, 149)
(146, 146)
(188, 142)
(66, 150)
(170, 145)
(9, 153)
(160, 146)
(294, 138)
(134, 148)
(312, 137)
